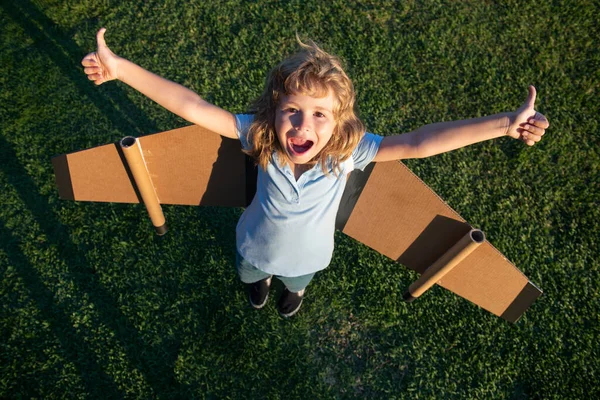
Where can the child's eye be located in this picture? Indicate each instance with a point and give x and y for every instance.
(291, 110)
(319, 114)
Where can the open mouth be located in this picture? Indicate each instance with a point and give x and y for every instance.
(300, 146)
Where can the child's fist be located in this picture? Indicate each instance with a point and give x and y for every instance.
(101, 65)
(526, 123)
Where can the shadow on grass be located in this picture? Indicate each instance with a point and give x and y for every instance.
(72, 347)
(67, 55)
(143, 356)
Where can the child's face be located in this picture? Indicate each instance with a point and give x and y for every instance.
(304, 125)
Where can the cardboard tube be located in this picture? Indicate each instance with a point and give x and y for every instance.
(135, 160)
(445, 263)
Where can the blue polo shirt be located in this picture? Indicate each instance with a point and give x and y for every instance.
(288, 229)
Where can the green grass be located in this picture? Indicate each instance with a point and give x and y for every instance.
(94, 305)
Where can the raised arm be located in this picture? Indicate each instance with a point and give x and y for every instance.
(103, 65)
(525, 124)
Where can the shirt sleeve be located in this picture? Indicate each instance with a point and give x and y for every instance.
(243, 122)
(366, 150)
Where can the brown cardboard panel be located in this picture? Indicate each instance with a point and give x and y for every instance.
(194, 166)
(522, 302)
(487, 279)
(190, 166)
(395, 208)
(447, 262)
(97, 174)
(402, 218)
(435, 239)
(355, 184)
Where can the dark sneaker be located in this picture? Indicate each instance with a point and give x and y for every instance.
(289, 303)
(259, 293)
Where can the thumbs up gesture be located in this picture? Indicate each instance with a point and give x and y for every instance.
(102, 65)
(527, 124)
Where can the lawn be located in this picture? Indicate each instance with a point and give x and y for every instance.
(94, 305)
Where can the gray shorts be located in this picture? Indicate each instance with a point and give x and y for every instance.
(248, 273)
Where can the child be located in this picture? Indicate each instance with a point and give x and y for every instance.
(306, 138)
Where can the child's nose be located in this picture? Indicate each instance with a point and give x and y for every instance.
(302, 122)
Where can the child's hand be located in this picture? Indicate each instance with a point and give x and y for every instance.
(101, 65)
(526, 123)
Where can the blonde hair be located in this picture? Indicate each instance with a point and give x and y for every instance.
(313, 72)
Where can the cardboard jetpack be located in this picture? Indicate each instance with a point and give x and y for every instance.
(386, 207)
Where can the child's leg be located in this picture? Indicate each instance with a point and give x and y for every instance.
(297, 283)
(291, 299)
(257, 282)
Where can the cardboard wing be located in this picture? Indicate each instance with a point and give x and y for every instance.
(385, 207)
(391, 210)
(186, 166)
